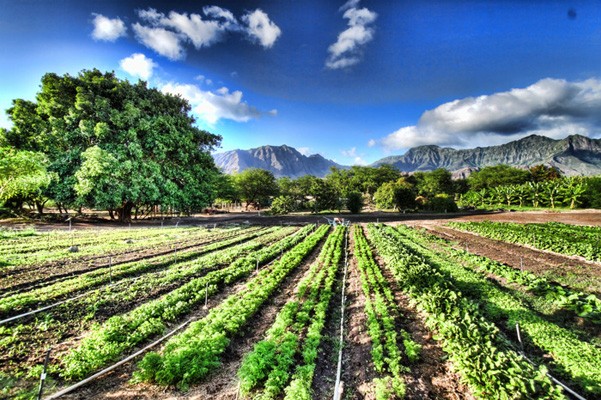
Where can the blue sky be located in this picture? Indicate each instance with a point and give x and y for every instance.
(353, 81)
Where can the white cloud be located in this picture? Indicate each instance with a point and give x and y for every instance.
(260, 28)
(305, 151)
(347, 50)
(371, 143)
(352, 152)
(108, 29)
(138, 65)
(211, 106)
(359, 161)
(168, 33)
(164, 42)
(551, 107)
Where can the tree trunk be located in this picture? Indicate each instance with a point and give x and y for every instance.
(40, 206)
(124, 212)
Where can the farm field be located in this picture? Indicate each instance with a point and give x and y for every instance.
(430, 311)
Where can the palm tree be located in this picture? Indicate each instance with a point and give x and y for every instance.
(572, 190)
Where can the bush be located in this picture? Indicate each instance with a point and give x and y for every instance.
(442, 203)
(283, 205)
(354, 202)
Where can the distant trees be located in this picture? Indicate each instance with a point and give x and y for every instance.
(498, 175)
(23, 177)
(255, 186)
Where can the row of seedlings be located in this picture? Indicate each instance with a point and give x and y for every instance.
(382, 314)
(572, 357)
(284, 362)
(54, 248)
(560, 238)
(478, 350)
(584, 305)
(33, 276)
(19, 302)
(193, 354)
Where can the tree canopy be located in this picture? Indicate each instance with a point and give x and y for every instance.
(115, 145)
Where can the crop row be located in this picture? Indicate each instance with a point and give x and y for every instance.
(12, 304)
(121, 333)
(101, 246)
(63, 239)
(555, 237)
(572, 357)
(269, 369)
(381, 312)
(479, 352)
(191, 355)
(585, 305)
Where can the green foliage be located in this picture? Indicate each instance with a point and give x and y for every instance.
(442, 203)
(23, 174)
(591, 197)
(498, 175)
(568, 191)
(354, 202)
(571, 355)
(560, 238)
(255, 186)
(283, 205)
(435, 182)
(296, 333)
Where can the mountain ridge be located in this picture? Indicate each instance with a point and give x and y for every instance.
(280, 160)
(573, 155)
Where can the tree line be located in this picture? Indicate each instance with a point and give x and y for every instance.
(95, 141)
(386, 188)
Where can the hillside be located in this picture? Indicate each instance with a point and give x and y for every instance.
(574, 155)
(281, 160)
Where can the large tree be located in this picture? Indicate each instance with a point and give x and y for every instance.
(23, 175)
(497, 175)
(255, 186)
(116, 145)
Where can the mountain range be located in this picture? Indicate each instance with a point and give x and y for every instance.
(281, 160)
(574, 155)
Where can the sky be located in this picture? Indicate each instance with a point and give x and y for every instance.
(354, 80)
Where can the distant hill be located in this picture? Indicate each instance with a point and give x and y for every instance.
(574, 155)
(280, 160)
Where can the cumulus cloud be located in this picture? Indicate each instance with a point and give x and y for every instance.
(164, 42)
(305, 151)
(352, 152)
(347, 50)
(371, 143)
(108, 29)
(211, 106)
(138, 65)
(260, 28)
(550, 107)
(167, 34)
